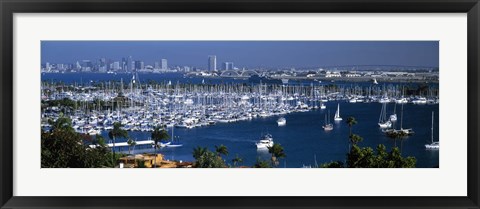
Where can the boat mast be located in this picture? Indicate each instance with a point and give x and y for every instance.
(401, 119)
(432, 125)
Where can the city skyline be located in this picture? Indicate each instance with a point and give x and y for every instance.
(246, 53)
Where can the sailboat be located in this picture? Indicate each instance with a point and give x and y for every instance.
(433, 145)
(407, 131)
(393, 117)
(174, 143)
(328, 126)
(382, 120)
(337, 114)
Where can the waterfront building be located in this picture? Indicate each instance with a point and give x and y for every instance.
(334, 74)
(212, 63)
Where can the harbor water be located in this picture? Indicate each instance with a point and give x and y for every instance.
(303, 138)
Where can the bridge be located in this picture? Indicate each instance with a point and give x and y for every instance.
(239, 73)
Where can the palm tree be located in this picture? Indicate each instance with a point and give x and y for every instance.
(158, 135)
(199, 151)
(131, 143)
(98, 140)
(62, 123)
(116, 132)
(236, 160)
(221, 150)
(277, 152)
(351, 122)
(354, 139)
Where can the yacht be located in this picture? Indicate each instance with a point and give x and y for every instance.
(401, 101)
(282, 121)
(323, 106)
(420, 100)
(265, 142)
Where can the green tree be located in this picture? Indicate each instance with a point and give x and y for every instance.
(158, 135)
(64, 148)
(62, 123)
(208, 159)
(116, 132)
(366, 158)
(334, 164)
(199, 151)
(236, 160)
(351, 122)
(354, 139)
(277, 152)
(221, 150)
(261, 164)
(130, 143)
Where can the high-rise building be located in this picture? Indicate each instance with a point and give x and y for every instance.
(60, 67)
(87, 66)
(124, 65)
(156, 65)
(212, 62)
(164, 64)
(130, 64)
(78, 66)
(228, 65)
(116, 66)
(139, 65)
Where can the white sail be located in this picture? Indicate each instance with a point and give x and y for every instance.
(382, 120)
(337, 114)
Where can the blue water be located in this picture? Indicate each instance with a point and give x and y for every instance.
(303, 137)
(87, 78)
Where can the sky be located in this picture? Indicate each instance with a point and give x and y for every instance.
(249, 53)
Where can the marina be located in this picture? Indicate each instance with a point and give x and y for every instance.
(238, 115)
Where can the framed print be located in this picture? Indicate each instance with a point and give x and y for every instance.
(263, 104)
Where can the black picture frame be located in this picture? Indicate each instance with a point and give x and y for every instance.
(10, 7)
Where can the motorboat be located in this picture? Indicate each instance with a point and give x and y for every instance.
(265, 142)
